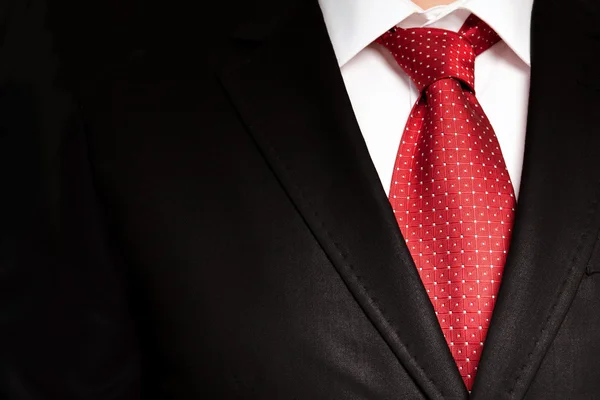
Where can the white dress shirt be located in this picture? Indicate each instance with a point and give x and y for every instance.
(382, 95)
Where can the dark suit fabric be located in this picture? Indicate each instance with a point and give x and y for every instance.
(65, 328)
(261, 256)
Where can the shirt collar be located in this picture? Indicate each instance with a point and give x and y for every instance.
(354, 24)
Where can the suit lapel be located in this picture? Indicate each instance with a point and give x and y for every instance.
(290, 94)
(557, 214)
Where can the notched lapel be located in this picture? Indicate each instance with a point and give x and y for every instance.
(557, 217)
(291, 97)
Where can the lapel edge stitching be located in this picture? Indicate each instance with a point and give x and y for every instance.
(544, 336)
(356, 278)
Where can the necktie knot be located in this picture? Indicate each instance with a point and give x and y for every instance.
(428, 55)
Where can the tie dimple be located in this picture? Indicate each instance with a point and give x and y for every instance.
(450, 191)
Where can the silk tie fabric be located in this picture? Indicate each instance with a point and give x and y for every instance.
(450, 191)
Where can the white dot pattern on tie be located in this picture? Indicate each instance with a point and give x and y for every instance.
(451, 192)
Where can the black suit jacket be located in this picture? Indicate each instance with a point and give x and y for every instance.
(65, 328)
(262, 258)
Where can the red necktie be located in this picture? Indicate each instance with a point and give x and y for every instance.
(451, 193)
